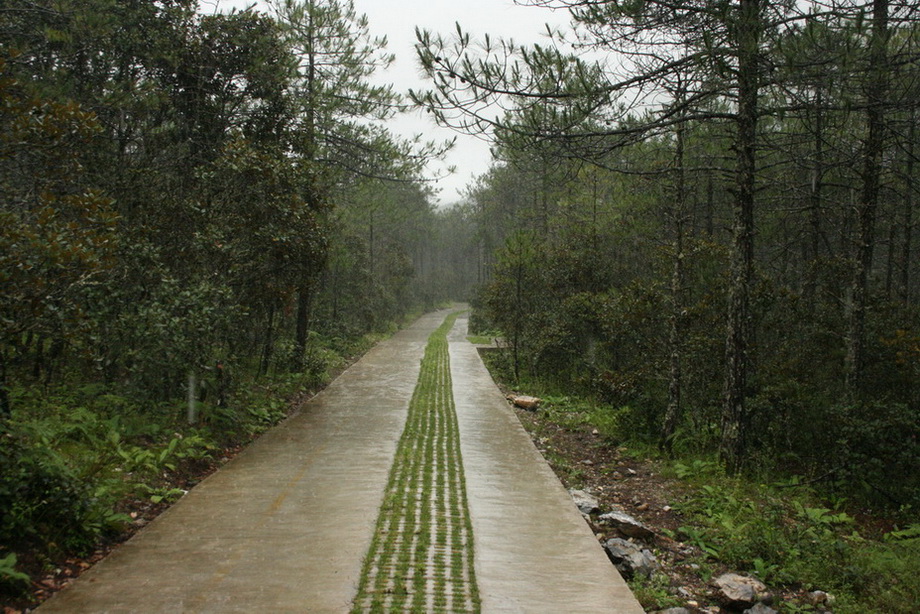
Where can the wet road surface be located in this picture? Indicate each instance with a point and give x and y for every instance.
(285, 526)
(533, 550)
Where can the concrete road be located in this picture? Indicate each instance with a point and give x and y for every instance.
(533, 550)
(285, 526)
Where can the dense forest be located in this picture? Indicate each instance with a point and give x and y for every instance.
(198, 206)
(698, 239)
(703, 215)
(700, 215)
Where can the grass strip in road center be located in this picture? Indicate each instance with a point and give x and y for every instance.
(421, 555)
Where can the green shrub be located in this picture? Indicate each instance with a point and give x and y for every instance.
(42, 503)
(788, 538)
(12, 581)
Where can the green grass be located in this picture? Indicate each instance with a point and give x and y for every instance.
(421, 555)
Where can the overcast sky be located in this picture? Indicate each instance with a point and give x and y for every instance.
(397, 19)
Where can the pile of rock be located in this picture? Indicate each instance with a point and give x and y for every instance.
(733, 592)
(630, 558)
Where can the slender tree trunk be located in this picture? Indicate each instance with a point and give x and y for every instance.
(38, 362)
(815, 205)
(675, 336)
(336, 273)
(710, 205)
(370, 246)
(305, 291)
(5, 407)
(595, 252)
(268, 347)
(907, 222)
(889, 264)
(734, 415)
(519, 295)
(302, 325)
(876, 92)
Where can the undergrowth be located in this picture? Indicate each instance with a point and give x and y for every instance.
(788, 536)
(78, 456)
(780, 528)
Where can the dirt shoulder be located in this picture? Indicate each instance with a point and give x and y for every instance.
(583, 459)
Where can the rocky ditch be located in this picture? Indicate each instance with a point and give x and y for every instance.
(632, 554)
(628, 504)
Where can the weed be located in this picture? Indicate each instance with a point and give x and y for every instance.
(697, 468)
(11, 580)
(788, 539)
(652, 592)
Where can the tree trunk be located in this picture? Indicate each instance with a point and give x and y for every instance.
(38, 364)
(889, 265)
(519, 295)
(710, 206)
(304, 304)
(907, 222)
(815, 205)
(675, 337)
(675, 341)
(734, 416)
(876, 91)
(5, 408)
(268, 347)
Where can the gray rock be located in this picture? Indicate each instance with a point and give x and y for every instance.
(585, 501)
(739, 592)
(674, 611)
(630, 559)
(760, 609)
(626, 524)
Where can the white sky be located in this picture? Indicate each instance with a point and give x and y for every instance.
(397, 19)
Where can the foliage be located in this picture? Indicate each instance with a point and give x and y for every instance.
(11, 580)
(662, 233)
(788, 538)
(42, 501)
(653, 593)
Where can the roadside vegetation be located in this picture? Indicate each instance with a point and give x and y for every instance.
(85, 465)
(193, 213)
(795, 534)
(700, 228)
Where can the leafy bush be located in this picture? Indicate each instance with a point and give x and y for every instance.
(789, 538)
(42, 503)
(12, 581)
